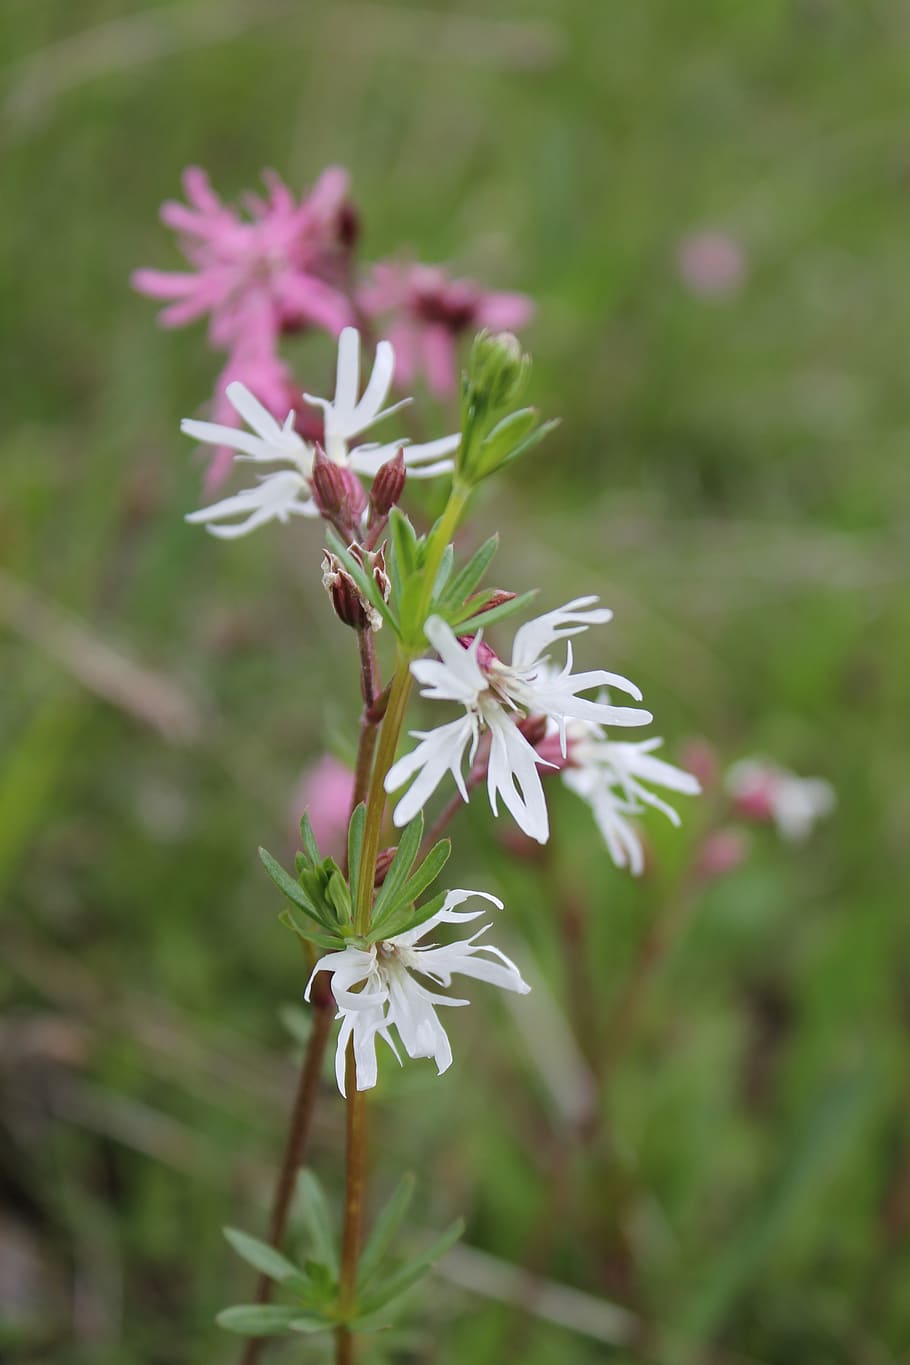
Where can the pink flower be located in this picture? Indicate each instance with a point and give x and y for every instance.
(324, 792)
(277, 268)
(763, 792)
(711, 263)
(722, 852)
(280, 268)
(432, 312)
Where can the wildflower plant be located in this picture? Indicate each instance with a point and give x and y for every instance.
(384, 934)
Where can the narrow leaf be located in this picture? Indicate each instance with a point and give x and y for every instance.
(290, 888)
(445, 568)
(426, 874)
(318, 1220)
(466, 580)
(331, 942)
(265, 1258)
(257, 1319)
(410, 1272)
(309, 1325)
(401, 865)
(384, 1229)
(355, 844)
(310, 846)
(401, 921)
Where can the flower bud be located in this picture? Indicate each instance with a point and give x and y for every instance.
(375, 563)
(346, 598)
(337, 491)
(534, 729)
(497, 369)
(388, 486)
(383, 863)
(497, 598)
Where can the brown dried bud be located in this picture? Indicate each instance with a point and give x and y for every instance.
(346, 599)
(376, 564)
(383, 863)
(388, 486)
(337, 491)
(497, 599)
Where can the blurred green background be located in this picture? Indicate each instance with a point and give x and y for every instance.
(730, 475)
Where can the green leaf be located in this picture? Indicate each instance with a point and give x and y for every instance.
(257, 1319)
(384, 1229)
(292, 889)
(301, 1324)
(408, 1274)
(406, 918)
(339, 896)
(427, 872)
(331, 942)
(466, 580)
(405, 545)
(445, 568)
(265, 1258)
(486, 618)
(355, 844)
(530, 441)
(310, 846)
(401, 865)
(317, 1218)
(412, 889)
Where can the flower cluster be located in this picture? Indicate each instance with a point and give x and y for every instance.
(520, 719)
(376, 991)
(288, 491)
(498, 698)
(289, 264)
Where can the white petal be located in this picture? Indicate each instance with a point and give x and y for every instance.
(376, 391)
(440, 751)
(347, 374)
(214, 434)
(252, 411)
(534, 638)
(512, 773)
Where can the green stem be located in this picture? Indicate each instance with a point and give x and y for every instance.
(440, 537)
(389, 735)
(385, 757)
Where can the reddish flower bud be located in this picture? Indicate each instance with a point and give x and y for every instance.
(351, 606)
(388, 486)
(346, 599)
(534, 729)
(383, 863)
(499, 597)
(337, 491)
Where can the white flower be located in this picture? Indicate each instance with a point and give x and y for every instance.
(610, 811)
(765, 791)
(610, 777)
(495, 696)
(287, 493)
(375, 989)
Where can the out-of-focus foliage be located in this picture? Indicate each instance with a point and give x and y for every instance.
(731, 475)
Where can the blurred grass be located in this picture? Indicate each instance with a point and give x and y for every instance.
(731, 475)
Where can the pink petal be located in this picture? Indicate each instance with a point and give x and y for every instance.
(439, 360)
(505, 312)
